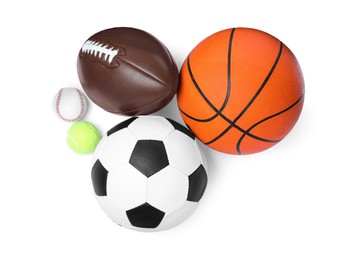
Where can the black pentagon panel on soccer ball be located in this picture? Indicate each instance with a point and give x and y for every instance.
(145, 216)
(197, 184)
(121, 126)
(99, 176)
(181, 128)
(149, 157)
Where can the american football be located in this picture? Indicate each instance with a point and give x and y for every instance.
(127, 71)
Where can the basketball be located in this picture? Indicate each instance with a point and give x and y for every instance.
(127, 71)
(241, 91)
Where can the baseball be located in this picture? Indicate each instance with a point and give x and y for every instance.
(69, 104)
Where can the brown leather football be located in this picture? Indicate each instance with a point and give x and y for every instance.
(127, 71)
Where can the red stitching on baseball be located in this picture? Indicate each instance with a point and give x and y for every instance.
(82, 105)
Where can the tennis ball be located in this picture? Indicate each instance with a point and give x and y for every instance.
(83, 137)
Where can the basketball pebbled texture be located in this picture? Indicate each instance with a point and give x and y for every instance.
(241, 91)
(127, 71)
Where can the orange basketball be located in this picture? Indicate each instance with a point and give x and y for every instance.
(241, 91)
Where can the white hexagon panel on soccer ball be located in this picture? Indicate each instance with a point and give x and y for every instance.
(151, 128)
(183, 152)
(177, 216)
(167, 189)
(115, 150)
(113, 212)
(126, 187)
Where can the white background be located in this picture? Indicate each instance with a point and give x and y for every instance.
(289, 202)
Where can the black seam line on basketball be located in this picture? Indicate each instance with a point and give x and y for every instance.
(230, 126)
(265, 119)
(231, 123)
(218, 112)
(147, 74)
(251, 102)
(228, 92)
(262, 85)
(241, 130)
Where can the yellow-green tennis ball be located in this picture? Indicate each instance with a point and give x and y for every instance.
(83, 137)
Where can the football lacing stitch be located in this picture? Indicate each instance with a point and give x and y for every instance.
(98, 49)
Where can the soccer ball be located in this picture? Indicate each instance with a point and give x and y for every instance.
(148, 173)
